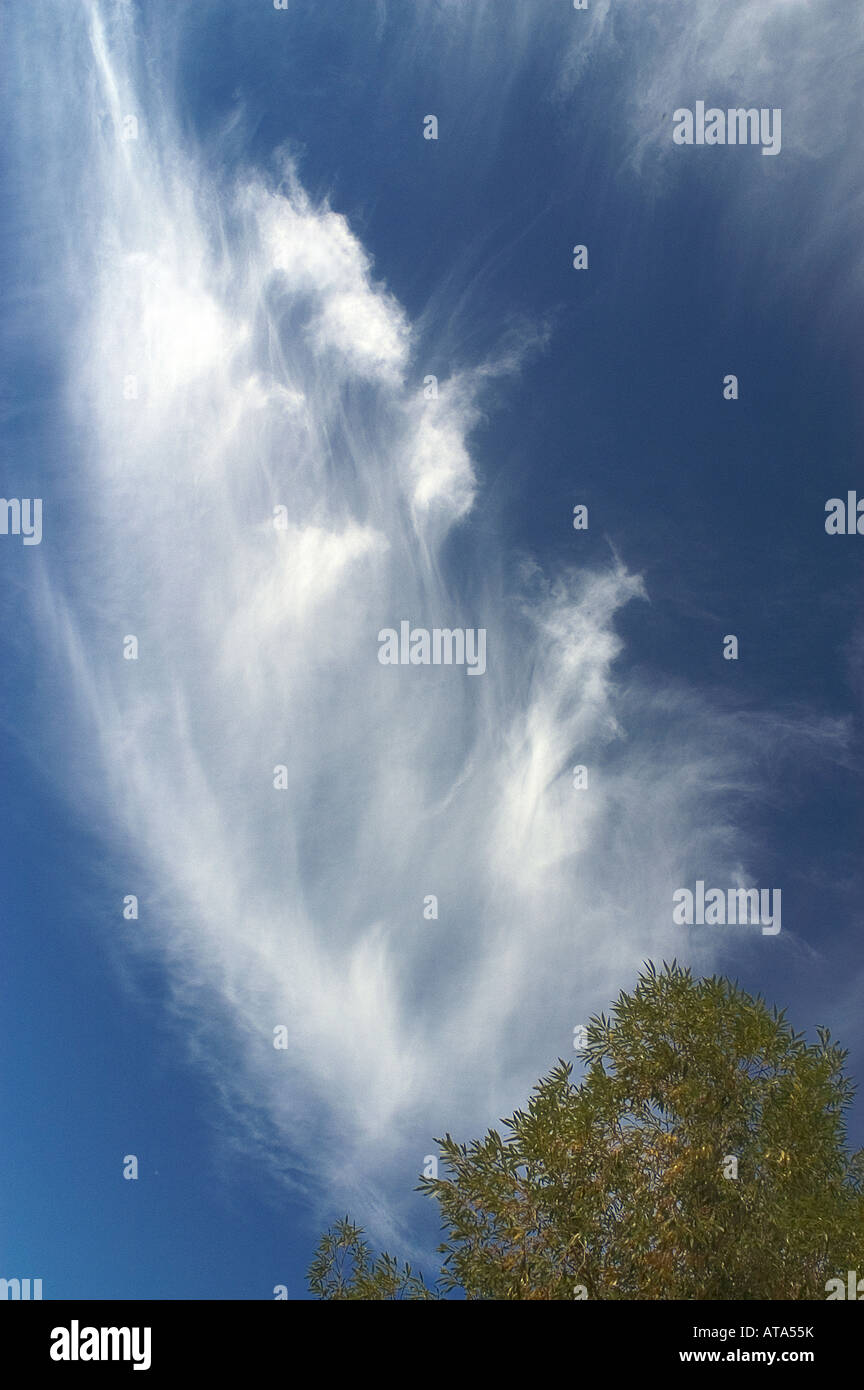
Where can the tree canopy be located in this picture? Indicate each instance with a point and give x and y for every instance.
(703, 1155)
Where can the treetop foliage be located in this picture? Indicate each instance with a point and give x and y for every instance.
(703, 1155)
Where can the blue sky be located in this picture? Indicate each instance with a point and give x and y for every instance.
(279, 259)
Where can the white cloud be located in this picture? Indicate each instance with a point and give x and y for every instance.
(803, 55)
(316, 255)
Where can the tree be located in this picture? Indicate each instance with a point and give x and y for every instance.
(702, 1156)
(343, 1269)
